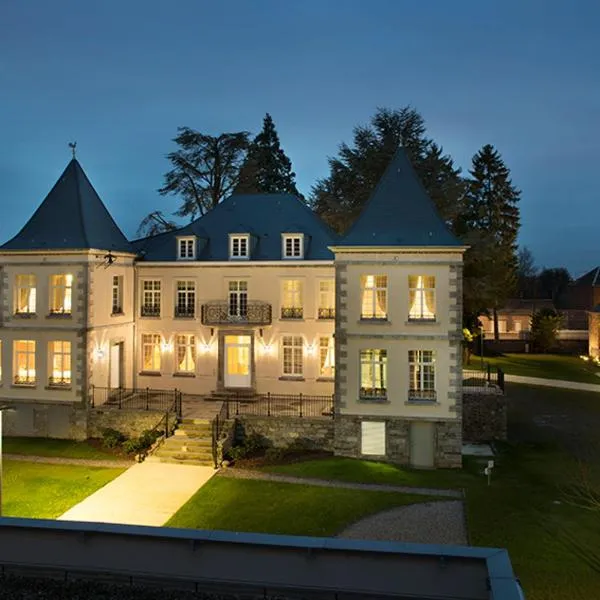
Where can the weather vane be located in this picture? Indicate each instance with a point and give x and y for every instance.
(73, 145)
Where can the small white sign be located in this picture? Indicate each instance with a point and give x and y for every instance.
(373, 438)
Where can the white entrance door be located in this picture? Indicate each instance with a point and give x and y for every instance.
(115, 366)
(237, 361)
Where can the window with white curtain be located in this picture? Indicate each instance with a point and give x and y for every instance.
(61, 294)
(151, 352)
(421, 375)
(60, 363)
(326, 357)
(185, 353)
(373, 296)
(421, 297)
(24, 362)
(25, 294)
(373, 374)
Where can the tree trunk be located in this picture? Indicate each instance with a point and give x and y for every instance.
(496, 332)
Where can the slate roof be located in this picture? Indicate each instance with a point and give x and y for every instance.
(264, 216)
(399, 212)
(590, 278)
(71, 217)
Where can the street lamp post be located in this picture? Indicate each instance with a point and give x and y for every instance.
(3, 409)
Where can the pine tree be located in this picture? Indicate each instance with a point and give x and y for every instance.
(267, 169)
(354, 173)
(492, 222)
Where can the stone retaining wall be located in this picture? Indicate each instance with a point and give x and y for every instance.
(484, 416)
(52, 420)
(314, 432)
(129, 422)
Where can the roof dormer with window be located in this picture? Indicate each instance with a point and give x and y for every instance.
(292, 246)
(186, 247)
(239, 246)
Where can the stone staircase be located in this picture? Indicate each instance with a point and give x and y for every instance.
(190, 445)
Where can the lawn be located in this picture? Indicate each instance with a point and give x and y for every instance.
(45, 491)
(58, 448)
(546, 366)
(283, 508)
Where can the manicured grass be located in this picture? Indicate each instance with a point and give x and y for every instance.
(45, 491)
(284, 508)
(546, 366)
(57, 448)
(517, 511)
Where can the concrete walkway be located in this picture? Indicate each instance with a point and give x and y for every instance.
(146, 494)
(372, 487)
(63, 460)
(557, 383)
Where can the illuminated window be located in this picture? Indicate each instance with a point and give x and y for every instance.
(238, 299)
(25, 294)
(291, 301)
(185, 352)
(421, 375)
(186, 248)
(151, 298)
(292, 245)
(239, 246)
(60, 363)
(292, 347)
(326, 308)
(374, 297)
(185, 302)
(421, 297)
(61, 294)
(151, 352)
(373, 374)
(0, 361)
(24, 362)
(117, 295)
(326, 357)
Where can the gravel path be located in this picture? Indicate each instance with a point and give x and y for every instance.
(59, 460)
(248, 474)
(426, 523)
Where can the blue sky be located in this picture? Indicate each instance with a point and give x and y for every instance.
(120, 77)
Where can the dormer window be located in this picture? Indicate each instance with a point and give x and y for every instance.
(292, 245)
(186, 248)
(239, 246)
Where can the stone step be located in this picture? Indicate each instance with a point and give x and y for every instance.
(197, 454)
(195, 421)
(176, 461)
(193, 433)
(191, 442)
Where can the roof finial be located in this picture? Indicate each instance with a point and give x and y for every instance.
(73, 145)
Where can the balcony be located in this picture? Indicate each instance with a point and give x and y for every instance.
(217, 313)
(150, 310)
(291, 312)
(326, 313)
(184, 312)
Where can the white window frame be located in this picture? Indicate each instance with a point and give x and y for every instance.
(237, 243)
(152, 293)
(30, 351)
(326, 299)
(421, 375)
(375, 290)
(186, 248)
(418, 308)
(30, 285)
(237, 299)
(292, 300)
(296, 359)
(117, 295)
(326, 356)
(187, 341)
(156, 339)
(187, 294)
(372, 362)
(66, 294)
(63, 353)
(292, 246)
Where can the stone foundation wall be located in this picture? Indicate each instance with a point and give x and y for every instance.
(484, 416)
(51, 420)
(129, 422)
(315, 432)
(448, 440)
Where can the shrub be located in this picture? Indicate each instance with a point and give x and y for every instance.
(545, 324)
(112, 438)
(132, 446)
(148, 437)
(252, 445)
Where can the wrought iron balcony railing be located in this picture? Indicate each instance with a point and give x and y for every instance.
(59, 381)
(291, 312)
(218, 313)
(422, 395)
(326, 313)
(150, 310)
(185, 312)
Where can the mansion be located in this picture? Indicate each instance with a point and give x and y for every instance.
(257, 295)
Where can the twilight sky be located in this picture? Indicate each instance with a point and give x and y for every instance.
(120, 76)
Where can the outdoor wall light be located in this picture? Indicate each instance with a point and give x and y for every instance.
(206, 348)
(310, 349)
(166, 347)
(98, 353)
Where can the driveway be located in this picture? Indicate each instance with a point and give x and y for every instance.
(149, 493)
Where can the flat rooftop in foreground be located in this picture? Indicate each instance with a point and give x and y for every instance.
(260, 564)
